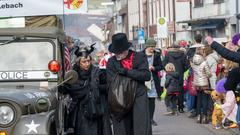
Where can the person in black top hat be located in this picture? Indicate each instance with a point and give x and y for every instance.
(135, 66)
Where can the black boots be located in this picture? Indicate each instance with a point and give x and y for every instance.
(180, 110)
(202, 119)
(199, 119)
(153, 123)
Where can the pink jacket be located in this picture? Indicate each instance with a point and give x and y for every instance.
(230, 107)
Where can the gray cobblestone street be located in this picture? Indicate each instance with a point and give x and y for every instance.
(182, 125)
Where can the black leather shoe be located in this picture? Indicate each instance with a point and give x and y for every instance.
(199, 118)
(153, 123)
(181, 110)
(204, 119)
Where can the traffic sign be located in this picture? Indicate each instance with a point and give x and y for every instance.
(162, 27)
(141, 38)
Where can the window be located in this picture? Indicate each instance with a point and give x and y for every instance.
(18, 56)
(198, 3)
(218, 1)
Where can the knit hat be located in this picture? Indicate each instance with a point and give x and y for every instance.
(150, 43)
(235, 39)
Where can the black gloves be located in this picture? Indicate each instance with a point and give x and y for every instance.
(64, 88)
(122, 71)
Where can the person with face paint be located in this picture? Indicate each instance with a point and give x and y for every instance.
(133, 65)
(87, 108)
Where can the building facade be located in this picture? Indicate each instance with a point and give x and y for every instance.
(144, 14)
(185, 18)
(183, 12)
(134, 18)
(162, 8)
(131, 15)
(212, 17)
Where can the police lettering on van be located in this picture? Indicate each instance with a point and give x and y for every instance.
(19, 75)
(24, 75)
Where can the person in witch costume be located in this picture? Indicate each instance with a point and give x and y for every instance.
(133, 65)
(88, 108)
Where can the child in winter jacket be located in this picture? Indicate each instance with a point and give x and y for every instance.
(172, 85)
(202, 73)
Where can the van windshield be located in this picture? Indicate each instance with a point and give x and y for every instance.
(25, 56)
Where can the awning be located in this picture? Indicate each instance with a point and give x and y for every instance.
(209, 24)
(203, 19)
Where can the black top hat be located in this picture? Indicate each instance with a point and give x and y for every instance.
(119, 43)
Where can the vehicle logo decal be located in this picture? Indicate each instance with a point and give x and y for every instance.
(32, 127)
(47, 74)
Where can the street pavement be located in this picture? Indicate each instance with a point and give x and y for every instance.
(182, 125)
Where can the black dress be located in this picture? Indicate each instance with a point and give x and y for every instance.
(79, 120)
(137, 121)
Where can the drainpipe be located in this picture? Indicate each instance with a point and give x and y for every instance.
(237, 13)
(174, 20)
(139, 12)
(190, 2)
(148, 19)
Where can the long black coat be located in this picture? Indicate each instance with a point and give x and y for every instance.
(158, 66)
(140, 71)
(105, 123)
(225, 53)
(179, 60)
(79, 93)
(137, 121)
